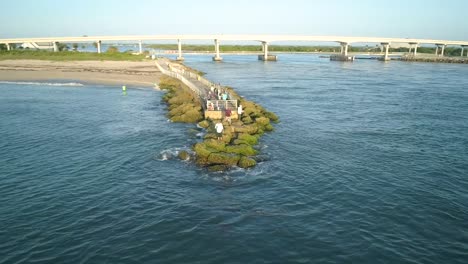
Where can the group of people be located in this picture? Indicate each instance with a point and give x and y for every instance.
(227, 117)
(218, 94)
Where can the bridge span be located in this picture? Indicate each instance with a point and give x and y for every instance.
(265, 40)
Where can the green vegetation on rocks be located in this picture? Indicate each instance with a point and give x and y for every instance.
(183, 105)
(184, 155)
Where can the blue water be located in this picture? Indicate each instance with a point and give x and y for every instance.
(368, 165)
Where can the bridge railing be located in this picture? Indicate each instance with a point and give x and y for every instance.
(221, 105)
(202, 93)
(179, 76)
(195, 76)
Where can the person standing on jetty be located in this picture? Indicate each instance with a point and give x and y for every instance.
(219, 130)
(227, 115)
(239, 111)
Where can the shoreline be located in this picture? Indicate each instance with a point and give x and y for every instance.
(129, 73)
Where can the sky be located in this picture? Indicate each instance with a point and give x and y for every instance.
(430, 19)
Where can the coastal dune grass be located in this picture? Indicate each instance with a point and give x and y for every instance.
(68, 55)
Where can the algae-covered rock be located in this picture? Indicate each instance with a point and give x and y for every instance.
(184, 155)
(249, 139)
(181, 109)
(217, 167)
(272, 116)
(181, 98)
(243, 149)
(262, 121)
(223, 158)
(268, 127)
(191, 116)
(246, 162)
(247, 120)
(217, 145)
(211, 135)
(202, 153)
(249, 129)
(204, 124)
(239, 142)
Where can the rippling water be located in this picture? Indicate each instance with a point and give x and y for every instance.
(369, 165)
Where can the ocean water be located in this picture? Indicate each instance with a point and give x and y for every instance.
(369, 164)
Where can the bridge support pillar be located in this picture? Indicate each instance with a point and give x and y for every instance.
(386, 46)
(179, 48)
(98, 45)
(140, 47)
(55, 46)
(8, 47)
(217, 57)
(265, 56)
(343, 56)
(413, 47)
(463, 50)
(442, 48)
(344, 48)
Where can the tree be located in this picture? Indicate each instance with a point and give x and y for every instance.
(75, 46)
(62, 46)
(112, 49)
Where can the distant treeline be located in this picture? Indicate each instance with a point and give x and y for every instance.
(449, 51)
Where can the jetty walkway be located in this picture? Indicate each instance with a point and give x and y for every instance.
(213, 104)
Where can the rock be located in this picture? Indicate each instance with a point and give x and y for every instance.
(268, 127)
(181, 109)
(223, 158)
(262, 121)
(246, 162)
(184, 155)
(249, 139)
(211, 136)
(217, 167)
(191, 116)
(215, 144)
(201, 150)
(204, 123)
(272, 116)
(239, 142)
(181, 98)
(247, 120)
(245, 150)
(249, 129)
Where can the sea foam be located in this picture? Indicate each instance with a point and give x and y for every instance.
(75, 84)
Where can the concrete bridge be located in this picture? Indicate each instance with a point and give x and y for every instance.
(265, 40)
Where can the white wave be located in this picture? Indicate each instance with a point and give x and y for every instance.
(172, 153)
(75, 84)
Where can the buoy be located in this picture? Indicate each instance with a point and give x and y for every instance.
(124, 88)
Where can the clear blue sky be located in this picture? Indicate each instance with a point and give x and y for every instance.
(393, 18)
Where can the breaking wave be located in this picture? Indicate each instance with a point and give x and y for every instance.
(75, 84)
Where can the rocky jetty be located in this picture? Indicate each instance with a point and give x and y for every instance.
(435, 59)
(237, 146)
(184, 106)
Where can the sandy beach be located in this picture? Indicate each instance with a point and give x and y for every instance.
(136, 74)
